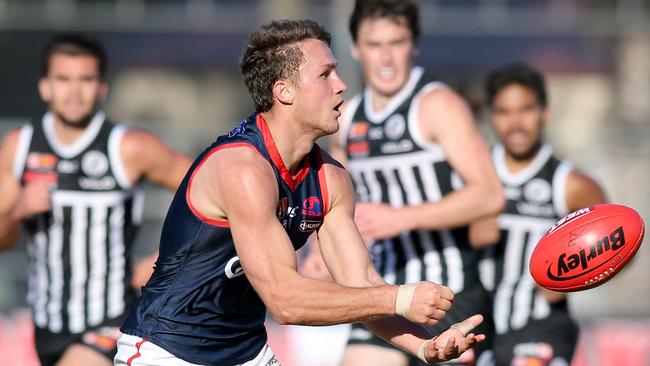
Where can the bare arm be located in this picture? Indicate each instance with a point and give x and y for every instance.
(271, 267)
(147, 156)
(347, 259)
(445, 119)
(582, 191)
(9, 192)
(484, 232)
(18, 202)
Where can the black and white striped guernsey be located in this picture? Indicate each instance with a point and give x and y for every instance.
(79, 273)
(390, 162)
(535, 201)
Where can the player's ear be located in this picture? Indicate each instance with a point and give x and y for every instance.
(102, 93)
(545, 116)
(283, 91)
(354, 51)
(44, 90)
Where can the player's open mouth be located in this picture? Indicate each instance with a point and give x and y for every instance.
(338, 106)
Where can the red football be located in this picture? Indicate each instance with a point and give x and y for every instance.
(587, 247)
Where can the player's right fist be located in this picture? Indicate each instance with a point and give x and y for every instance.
(34, 199)
(423, 302)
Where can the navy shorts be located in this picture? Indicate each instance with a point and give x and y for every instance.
(103, 339)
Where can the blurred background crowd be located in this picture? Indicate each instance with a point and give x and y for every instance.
(173, 69)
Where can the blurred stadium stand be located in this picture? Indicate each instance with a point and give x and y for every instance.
(173, 69)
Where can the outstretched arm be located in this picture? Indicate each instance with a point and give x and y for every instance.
(445, 119)
(347, 259)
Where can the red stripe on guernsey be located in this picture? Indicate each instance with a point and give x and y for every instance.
(291, 180)
(137, 346)
(322, 183)
(208, 220)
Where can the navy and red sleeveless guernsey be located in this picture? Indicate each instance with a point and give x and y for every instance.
(198, 304)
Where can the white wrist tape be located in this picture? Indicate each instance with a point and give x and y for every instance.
(421, 349)
(404, 298)
(464, 327)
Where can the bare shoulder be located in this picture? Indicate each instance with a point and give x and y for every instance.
(239, 169)
(339, 185)
(334, 171)
(442, 112)
(8, 148)
(582, 191)
(10, 139)
(443, 98)
(136, 141)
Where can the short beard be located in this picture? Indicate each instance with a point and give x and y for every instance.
(80, 123)
(527, 155)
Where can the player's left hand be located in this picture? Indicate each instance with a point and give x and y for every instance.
(451, 343)
(378, 221)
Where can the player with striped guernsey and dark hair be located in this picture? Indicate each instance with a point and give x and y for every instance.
(249, 201)
(72, 178)
(532, 323)
(420, 169)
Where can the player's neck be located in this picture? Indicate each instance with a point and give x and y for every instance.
(380, 101)
(65, 133)
(292, 143)
(515, 164)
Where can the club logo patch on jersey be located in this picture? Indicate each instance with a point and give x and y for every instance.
(94, 164)
(395, 127)
(238, 130)
(312, 207)
(537, 191)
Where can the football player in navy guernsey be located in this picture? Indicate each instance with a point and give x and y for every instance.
(72, 179)
(248, 202)
(421, 171)
(533, 325)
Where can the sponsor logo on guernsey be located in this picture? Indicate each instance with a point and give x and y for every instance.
(41, 161)
(312, 207)
(568, 267)
(358, 149)
(101, 184)
(307, 226)
(537, 351)
(233, 268)
(375, 133)
(358, 130)
(394, 147)
(530, 209)
(68, 167)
